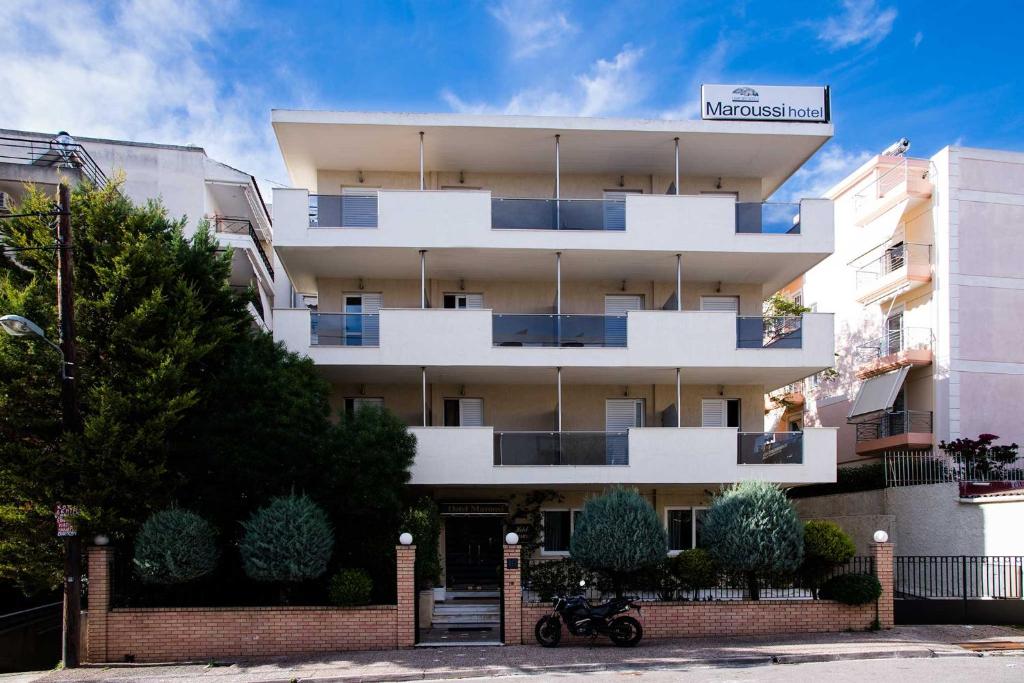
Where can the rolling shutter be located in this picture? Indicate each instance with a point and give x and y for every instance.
(712, 412)
(615, 210)
(720, 303)
(471, 412)
(619, 416)
(358, 207)
(371, 321)
(615, 309)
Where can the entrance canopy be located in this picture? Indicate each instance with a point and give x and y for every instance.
(877, 394)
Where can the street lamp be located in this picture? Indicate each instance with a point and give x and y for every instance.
(18, 326)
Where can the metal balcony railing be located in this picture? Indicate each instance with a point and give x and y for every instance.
(770, 448)
(566, 330)
(895, 341)
(229, 225)
(895, 423)
(39, 152)
(561, 448)
(343, 211)
(768, 218)
(344, 329)
(890, 260)
(927, 467)
(767, 332)
(901, 173)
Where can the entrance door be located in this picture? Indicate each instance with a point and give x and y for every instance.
(362, 324)
(472, 551)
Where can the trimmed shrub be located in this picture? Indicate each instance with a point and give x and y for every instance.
(289, 540)
(350, 587)
(617, 534)
(826, 546)
(848, 480)
(852, 589)
(753, 528)
(175, 546)
(557, 577)
(692, 570)
(423, 521)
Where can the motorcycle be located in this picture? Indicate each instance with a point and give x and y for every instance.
(583, 619)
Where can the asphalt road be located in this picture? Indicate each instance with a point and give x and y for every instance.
(993, 669)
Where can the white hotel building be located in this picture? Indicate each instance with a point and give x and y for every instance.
(555, 304)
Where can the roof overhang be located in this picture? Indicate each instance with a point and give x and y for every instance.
(771, 151)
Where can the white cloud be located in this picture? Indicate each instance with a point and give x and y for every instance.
(533, 25)
(918, 37)
(132, 71)
(707, 70)
(824, 170)
(860, 22)
(608, 87)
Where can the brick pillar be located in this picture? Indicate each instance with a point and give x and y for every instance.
(100, 559)
(513, 594)
(884, 572)
(405, 619)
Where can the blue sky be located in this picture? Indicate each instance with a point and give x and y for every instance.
(208, 73)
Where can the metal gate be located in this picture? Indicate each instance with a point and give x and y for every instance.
(959, 589)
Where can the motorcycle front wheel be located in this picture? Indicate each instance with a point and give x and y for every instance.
(548, 631)
(625, 631)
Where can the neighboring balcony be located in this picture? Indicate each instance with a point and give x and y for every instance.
(645, 455)
(772, 351)
(897, 430)
(894, 180)
(908, 346)
(888, 271)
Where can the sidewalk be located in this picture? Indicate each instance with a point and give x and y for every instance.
(578, 657)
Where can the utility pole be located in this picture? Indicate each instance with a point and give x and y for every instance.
(71, 421)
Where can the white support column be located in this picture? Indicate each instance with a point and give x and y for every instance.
(423, 278)
(558, 168)
(679, 399)
(559, 399)
(679, 282)
(423, 370)
(423, 184)
(558, 283)
(677, 166)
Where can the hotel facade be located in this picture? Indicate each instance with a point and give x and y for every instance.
(555, 304)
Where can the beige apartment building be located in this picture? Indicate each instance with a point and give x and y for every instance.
(927, 290)
(555, 304)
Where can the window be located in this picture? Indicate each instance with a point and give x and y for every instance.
(685, 527)
(558, 526)
(720, 412)
(354, 405)
(463, 412)
(464, 301)
(720, 303)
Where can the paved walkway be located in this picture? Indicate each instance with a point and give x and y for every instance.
(464, 662)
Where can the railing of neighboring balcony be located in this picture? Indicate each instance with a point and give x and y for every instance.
(566, 330)
(768, 332)
(356, 210)
(895, 423)
(344, 329)
(904, 172)
(770, 448)
(242, 226)
(561, 448)
(768, 218)
(509, 213)
(38, 152)
(891, 260)
(893, 342)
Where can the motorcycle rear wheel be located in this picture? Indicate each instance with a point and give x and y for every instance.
(625, 631)
(548, 631)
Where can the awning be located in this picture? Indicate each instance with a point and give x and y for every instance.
(877, 394)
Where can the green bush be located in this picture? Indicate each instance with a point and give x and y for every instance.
(753, 528)
(826, 546)
(350, 587)
(692, 570)
(423, 521)
(289, 540)
(851, 589)
(848, 480)
(617, 534)
(175, 546)
(556, 577)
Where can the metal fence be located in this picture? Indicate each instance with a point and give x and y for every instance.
(895, 423)
(242, 226)
(659, 586)
(927, 467)
(996, 577)
(51, 153)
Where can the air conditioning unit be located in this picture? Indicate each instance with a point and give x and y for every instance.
(6, 202)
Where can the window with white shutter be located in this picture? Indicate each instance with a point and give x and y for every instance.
(615, 208)
(616, 306)
(720, 303)
(358, 207)
(463, 412)
(354, 405)
(471, 302)
(720, 412)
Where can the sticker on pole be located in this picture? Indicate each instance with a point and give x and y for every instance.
(65, 515)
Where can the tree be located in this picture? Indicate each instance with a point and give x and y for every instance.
(752, 528)
(423, 521)
(618, 534)
(155, 317)
(826, 546)
(288, 541)
(693, 570)
(978, 457)
(175, 546)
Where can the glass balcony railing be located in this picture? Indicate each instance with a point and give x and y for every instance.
(893, 342)
(561, 448)
(764, 332)
(343, 211)
(895, 423)
(558, 214)
(344, 329)
(559, 330)
(770, 448)
(768, 218)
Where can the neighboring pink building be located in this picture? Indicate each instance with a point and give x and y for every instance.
(928, 292)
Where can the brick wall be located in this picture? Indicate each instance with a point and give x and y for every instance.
(201, 634)
(512, 594)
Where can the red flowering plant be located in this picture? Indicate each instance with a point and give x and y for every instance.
(979, 458)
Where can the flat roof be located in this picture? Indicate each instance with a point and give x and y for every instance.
(381, 141)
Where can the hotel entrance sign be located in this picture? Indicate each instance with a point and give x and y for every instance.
(765, 103)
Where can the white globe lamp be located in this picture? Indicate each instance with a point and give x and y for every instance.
(405, 538)
(511, 538)
(881, 536)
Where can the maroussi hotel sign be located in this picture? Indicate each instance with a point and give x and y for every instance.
(765, 103)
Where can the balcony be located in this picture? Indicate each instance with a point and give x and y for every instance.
(885, 272)
(894, 180)
(897, 430)
(907, 346)
(227, 225)
(41, 156)
(646, 455)
(704, 342)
